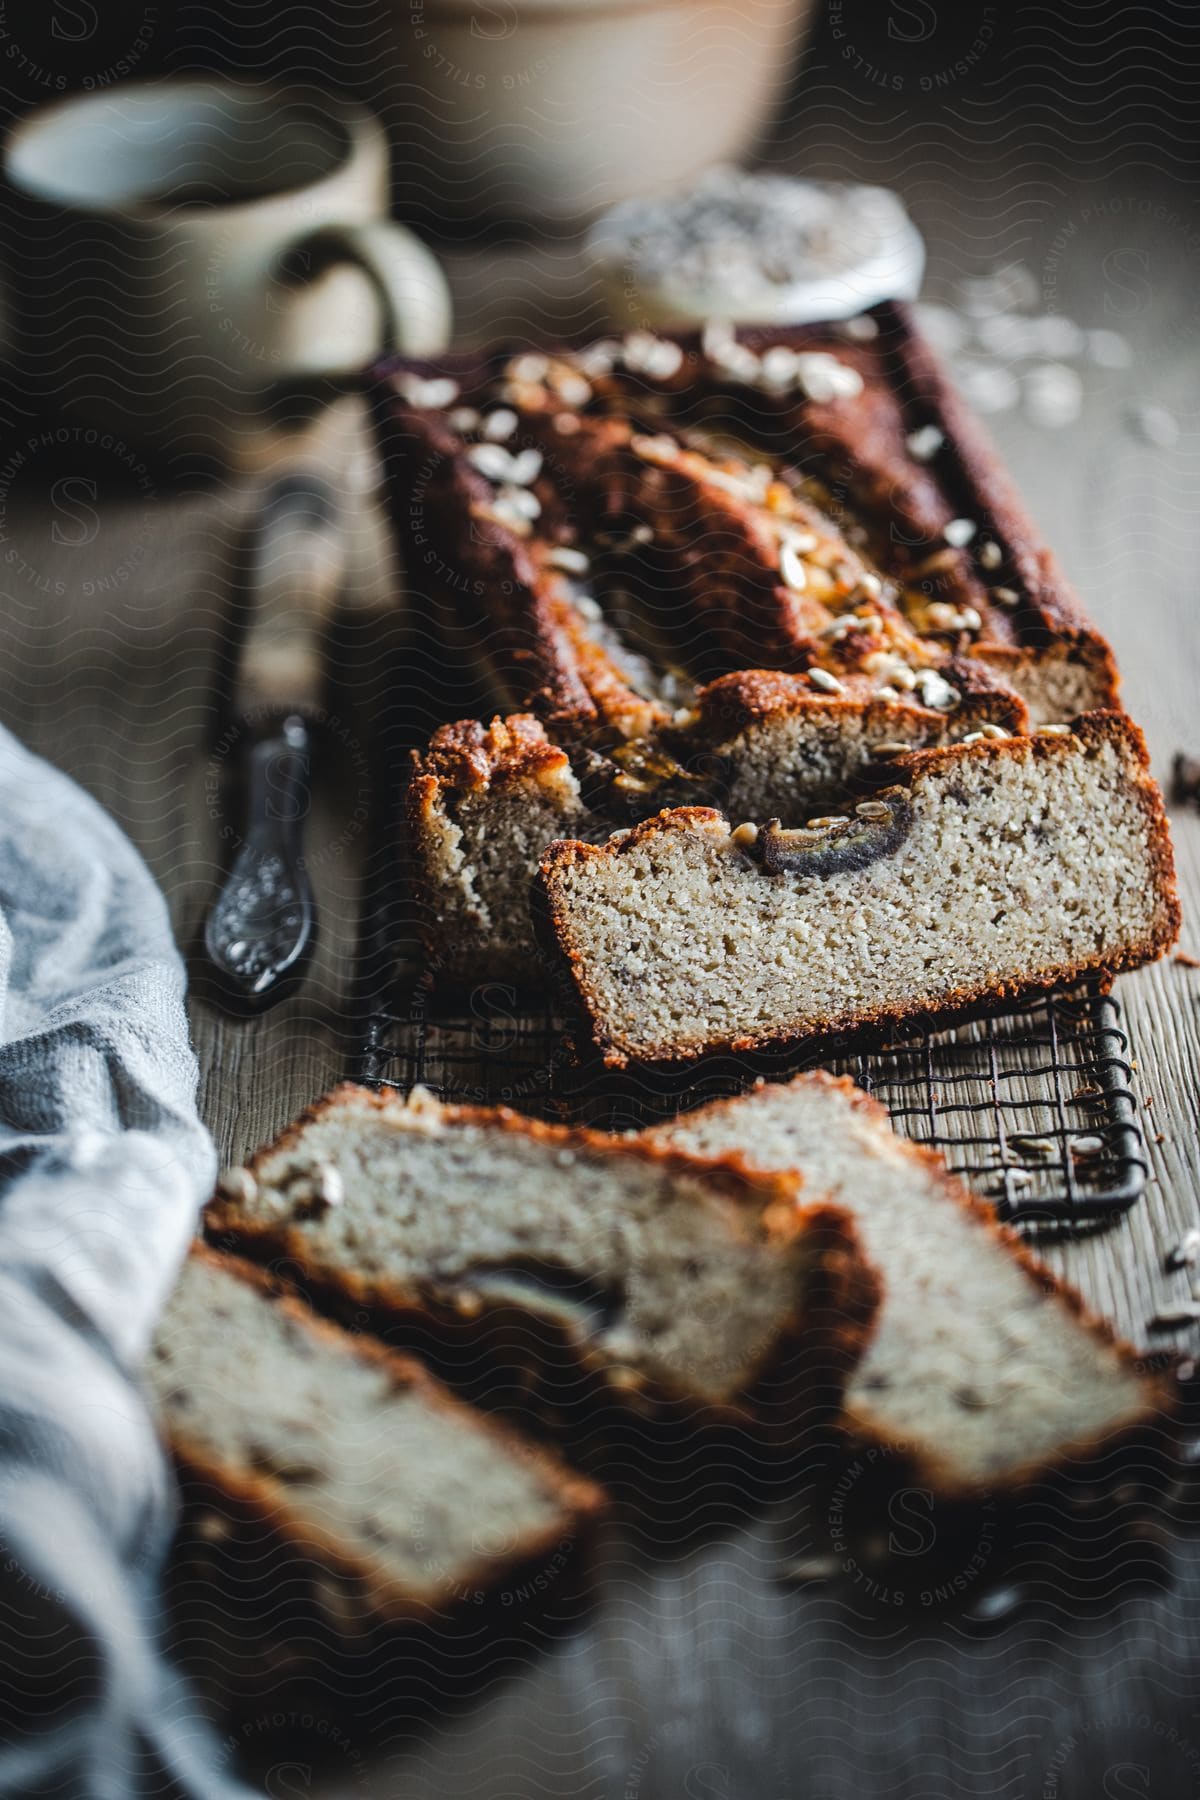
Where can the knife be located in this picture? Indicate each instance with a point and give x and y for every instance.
(261, 930)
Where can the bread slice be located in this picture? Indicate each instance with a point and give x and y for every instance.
(654, 1273)
(484, 802)
(988, 872)
(983, 1370)
(357, 1457)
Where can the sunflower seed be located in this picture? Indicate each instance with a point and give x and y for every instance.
(824, 377)
(570, 386)
(432, 392)
(500, 424)
(801, 541)
(828, 684)
(1154, 425)
(526, 467)
(779, 366)
(519, 501)
(791, 567)
(573, 562)
(873, 809)
(1085, 1148)
(959, 532)
(657, 449)
(936, 691)
(925, 443)
(531, 368)
(745, 835)
(644, 354)
(1011, 1178)
(1175, 1316)
(1006, 596)
(491, 460)
(990, 554)
(1109, 350)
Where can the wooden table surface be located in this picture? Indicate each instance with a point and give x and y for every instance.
(699, 1675)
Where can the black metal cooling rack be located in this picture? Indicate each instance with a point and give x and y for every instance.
(1033, 1107)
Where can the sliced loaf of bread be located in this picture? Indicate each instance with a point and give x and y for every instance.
(983, 1371)
(657, 1274)
(989, 871)
(355, 1456)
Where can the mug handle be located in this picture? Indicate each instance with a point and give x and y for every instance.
(407, 277)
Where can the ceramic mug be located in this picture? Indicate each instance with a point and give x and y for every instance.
(183, 252)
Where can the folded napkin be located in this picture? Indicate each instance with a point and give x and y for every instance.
(103, 1164)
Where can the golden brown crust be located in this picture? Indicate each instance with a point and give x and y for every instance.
(1159, 1384)
(747, 697)
(268, 1500)
(1092, 729)
(469, 755)
(845, 1290)
(861, 445)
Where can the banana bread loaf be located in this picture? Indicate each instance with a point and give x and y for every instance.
(723, 570)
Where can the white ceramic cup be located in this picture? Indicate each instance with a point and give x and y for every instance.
(184, 252)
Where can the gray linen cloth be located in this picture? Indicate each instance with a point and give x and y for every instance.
(103, 1163)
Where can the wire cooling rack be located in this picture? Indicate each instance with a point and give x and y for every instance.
(1033, 1107)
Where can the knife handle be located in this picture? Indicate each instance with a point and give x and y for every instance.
(261, 931)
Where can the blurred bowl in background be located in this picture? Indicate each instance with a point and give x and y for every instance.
(548, 111)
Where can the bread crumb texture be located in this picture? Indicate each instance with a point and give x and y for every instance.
(360, 1451)
(683, 1276)
(979, 1366)
(1025, 863)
